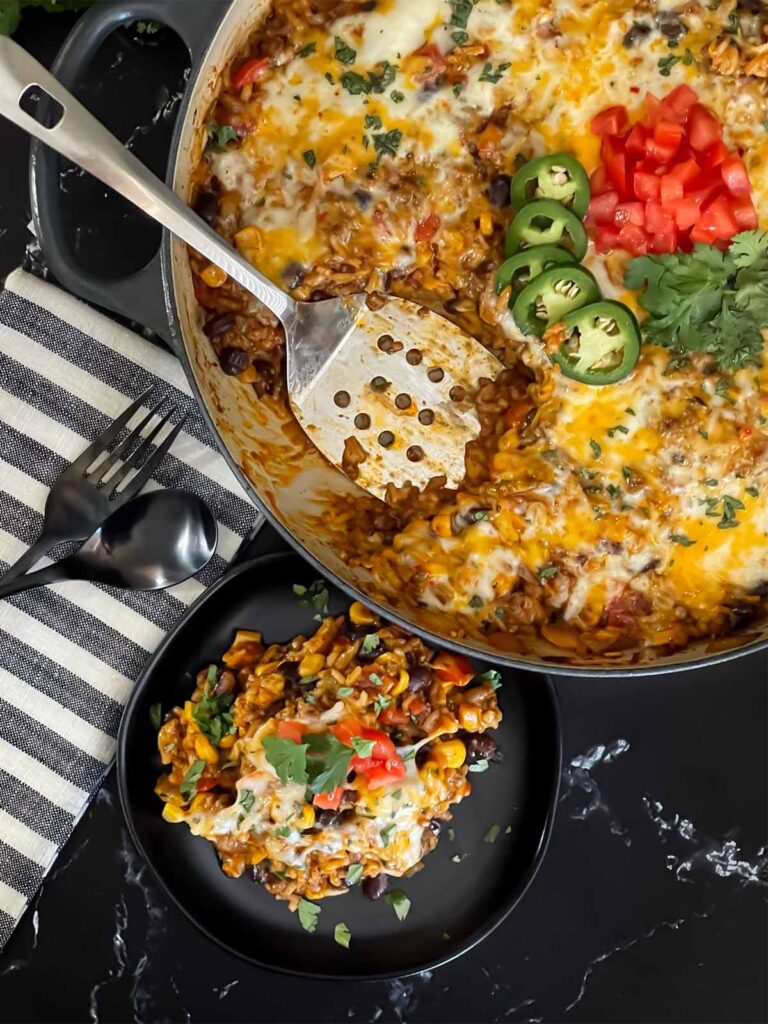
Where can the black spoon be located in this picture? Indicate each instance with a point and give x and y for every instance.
(154, 541)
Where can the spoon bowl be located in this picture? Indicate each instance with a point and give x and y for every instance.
(154, 541)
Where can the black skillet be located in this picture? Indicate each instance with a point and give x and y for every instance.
(467, 885)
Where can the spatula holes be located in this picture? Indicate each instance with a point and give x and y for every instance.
(386, 342)
(413, 356)
(362, 421)
(436, 374)
(342, 399)
(30, 100)
(386, 439)
(380, 383)
(403, 401)
(457, 393)
(426, 417)
(415, 453)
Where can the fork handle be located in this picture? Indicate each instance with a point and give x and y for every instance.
(50, 574)
(42, 545)
(86, 142)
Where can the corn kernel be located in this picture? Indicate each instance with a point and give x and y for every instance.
(561, 636)
(469, 717)
(249, 238)
(197, 802)
(311, 664)
(205, 749)
(401, 685)
(486, 223)
(441, 525)
(173, 813)
(360, 615)
(258, 855)
(306, 818)
(430, 767)
(227, 741)
(213, 276)
(451, 753)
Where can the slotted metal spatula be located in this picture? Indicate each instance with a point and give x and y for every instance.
(391, 386)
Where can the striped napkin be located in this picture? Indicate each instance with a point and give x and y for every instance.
(69, 654)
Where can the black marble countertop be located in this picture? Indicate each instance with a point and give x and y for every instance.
(650, 904)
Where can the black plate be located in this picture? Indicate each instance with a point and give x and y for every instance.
(454, 905)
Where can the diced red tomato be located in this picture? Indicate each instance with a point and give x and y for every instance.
(646, 185)
(385, 773)
(599, 182)
(393, 716)
(250, 71)
(735, 175)
(329, 801)
(453, 668)
(293, 731)
(716, 223)
(637, 139)
(425, 229)
(686, 212)
(633, 239)
(629, 213)
(715, 154)
(206, 783)
(671, 189)
(615, 161)
(383, 747)
(666, 240)
(677, 105)
(703, 127)
(607, 239)
(685, 172)
(346, 729)
(743, 211)
(610, 121)
(434, 56)
(668, 181)
(602, 208)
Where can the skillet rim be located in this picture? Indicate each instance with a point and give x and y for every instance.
(475, 938)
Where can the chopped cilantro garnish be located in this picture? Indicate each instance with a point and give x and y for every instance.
(369, 643)
(363, 748)
(344, 691)
(380, 703)
(619, 429)
(596, 449)
(283, 831)
(667, 63)
(289, 759)
(342, 934)
(343, 52)
(247, 796)
(305, 51)
(315, 596)
(399, 903)
(156, 716)
(475, 601)
(492, 676)
(372, 121)
(213, 716)
(547, 571)
(480, 765)
(308, 915)
(327, 762)
(387, 142)
(219, 135)
(309, 157)
(396, 96)
(489, 75)
(753, 491)
(492, 834)
(188, 785)
(682, 539)
(354, 874)
(387, 833)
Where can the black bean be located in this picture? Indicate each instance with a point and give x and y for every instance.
(435, 826)
(498, 190)
(741, 616)
(289, 670)
(260, 872)
(226, 684)
(219, 325)
(207, 206)
(420, 678)
(233, 360)
(481, 747)
(353, 631)
(292, 274)
(669, 24)
(373, 888)
(362, 198)
(423, 754)
(761, 590)
(327, 818)
(635, 33)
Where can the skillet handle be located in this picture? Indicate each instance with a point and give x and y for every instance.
(139, 296)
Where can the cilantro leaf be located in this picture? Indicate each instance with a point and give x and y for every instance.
(188, 785)
(354, 874)
(748, 247)
(387, 833)
(245, 800)
(342, 934)
(156, 716)
(289, 759)
(363, 748)
(343, 52)
(492, 834)
(386, 142)
(315, 596)
(308, 915)
(399, 903)
(327, 762)
(219, 135)
(213, 716)
(369, 644)
(492, 676)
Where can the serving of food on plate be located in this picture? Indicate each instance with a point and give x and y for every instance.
(579, 184)
(327, 761)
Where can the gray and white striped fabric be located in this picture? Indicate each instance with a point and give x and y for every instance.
(69, 653)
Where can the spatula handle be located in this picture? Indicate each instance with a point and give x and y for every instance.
(86, 142)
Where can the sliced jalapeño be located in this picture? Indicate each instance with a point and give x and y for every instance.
(520, 270)
(546, 222)
(552, 295)
(556, 176)
(601, 343)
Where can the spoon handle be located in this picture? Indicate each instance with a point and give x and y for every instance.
(78, 136)
(50, 574)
